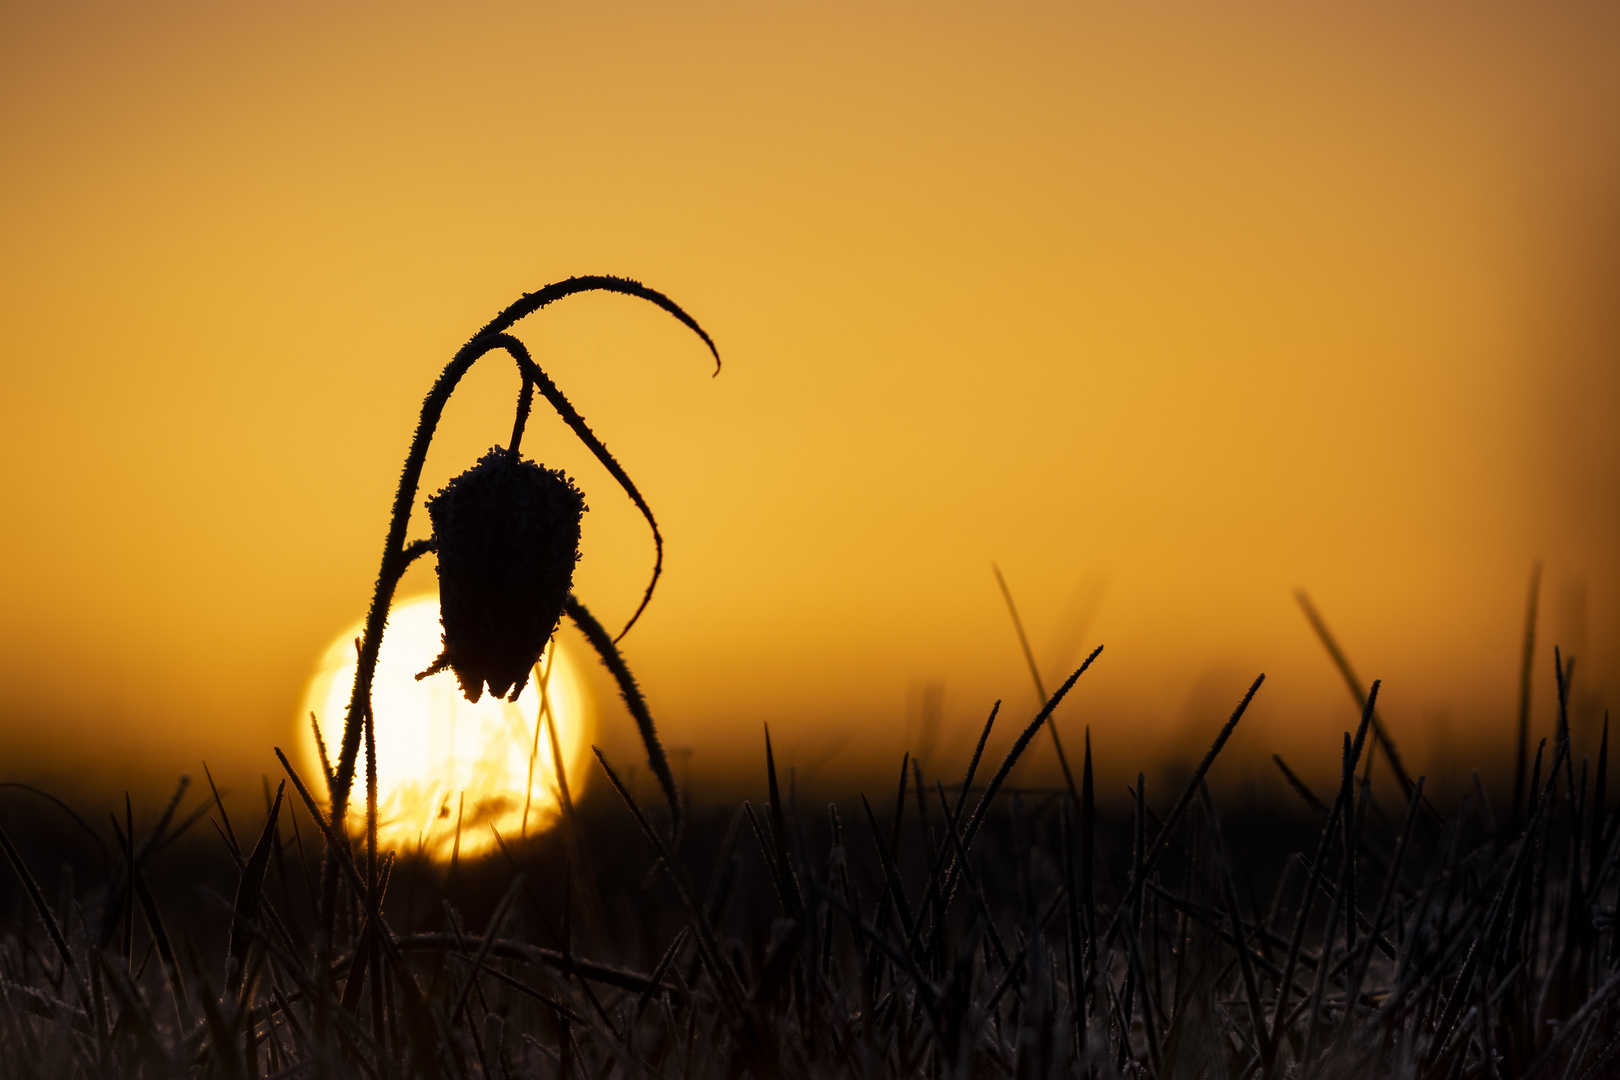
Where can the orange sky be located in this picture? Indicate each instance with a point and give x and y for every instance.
(1173, 306)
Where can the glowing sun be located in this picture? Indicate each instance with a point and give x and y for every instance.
(440, 757)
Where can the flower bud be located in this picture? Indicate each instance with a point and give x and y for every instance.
(507, 535)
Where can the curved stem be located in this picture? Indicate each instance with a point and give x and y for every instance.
(415, 550)
(576, 422)
(524, 403)
(529, 303)
(396, 556)
(614, 662)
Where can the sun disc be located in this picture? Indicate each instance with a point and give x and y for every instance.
(440, 757)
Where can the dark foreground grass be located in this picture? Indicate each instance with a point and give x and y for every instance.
(944, 929)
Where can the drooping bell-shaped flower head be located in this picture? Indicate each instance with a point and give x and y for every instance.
(507, 534)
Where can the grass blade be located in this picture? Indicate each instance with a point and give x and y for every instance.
(1353, 684)
(1167, 829)
(631, 693)
(1035, 675)
(249, 892)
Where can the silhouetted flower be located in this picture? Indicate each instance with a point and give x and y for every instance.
(507, 534)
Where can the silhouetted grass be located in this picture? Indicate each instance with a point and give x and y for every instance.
(966, 929)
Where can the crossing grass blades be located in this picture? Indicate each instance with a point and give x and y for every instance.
(965, 930)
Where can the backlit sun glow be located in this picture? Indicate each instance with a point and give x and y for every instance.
(441, 757)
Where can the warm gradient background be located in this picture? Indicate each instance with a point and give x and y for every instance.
(1169, 309)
